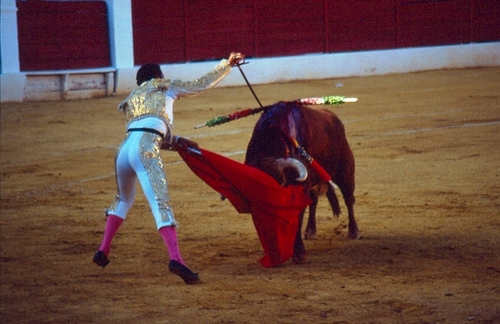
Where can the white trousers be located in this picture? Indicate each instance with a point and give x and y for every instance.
(138, 158)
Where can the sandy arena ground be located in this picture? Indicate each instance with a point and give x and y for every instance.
(427, 148)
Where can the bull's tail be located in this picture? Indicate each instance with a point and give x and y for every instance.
(334, 202)
(333, 185)
(323, 189)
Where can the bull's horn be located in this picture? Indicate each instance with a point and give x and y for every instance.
(299, 166)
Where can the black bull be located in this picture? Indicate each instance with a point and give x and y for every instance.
(321, 133)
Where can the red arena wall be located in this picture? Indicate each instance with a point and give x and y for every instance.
(75, 35)
(55, 35)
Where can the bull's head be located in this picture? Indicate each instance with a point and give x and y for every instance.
(284, 170)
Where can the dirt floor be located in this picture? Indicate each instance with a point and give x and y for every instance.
(428, 207)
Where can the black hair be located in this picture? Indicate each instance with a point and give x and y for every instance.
(147, 72)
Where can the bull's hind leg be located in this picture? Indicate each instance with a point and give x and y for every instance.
(348, 194)
(345, 181)
(353, 231)
(310, 231)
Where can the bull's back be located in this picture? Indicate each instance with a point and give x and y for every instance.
(325, 140)
(323, 133)
(319, 131)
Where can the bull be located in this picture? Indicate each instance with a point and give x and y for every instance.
(273, 149)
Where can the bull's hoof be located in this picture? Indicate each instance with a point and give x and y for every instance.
(353, 236)
(299, 259)
(309, 235)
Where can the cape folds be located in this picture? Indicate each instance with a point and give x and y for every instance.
(274, 209)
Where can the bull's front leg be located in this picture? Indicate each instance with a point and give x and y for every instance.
(310, 231)
(299, 250)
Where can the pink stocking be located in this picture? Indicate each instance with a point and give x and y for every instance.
(169, 235)
(113, 223)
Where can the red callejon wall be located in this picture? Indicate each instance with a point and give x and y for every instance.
(207, 29)
(287, 27)
(485, 20)
(429, 23)
(55, 35)
(159, 31)
(216, 28)
(360, 25)
(178, 30)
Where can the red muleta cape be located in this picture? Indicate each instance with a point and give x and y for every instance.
(275, 209)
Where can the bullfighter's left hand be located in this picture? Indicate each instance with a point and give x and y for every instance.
(184, 144)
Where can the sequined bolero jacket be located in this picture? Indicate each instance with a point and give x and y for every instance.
(150, 98)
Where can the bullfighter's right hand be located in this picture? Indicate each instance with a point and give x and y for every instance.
(235, 58)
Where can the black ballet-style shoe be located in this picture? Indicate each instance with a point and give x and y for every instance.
(100, 259)
(189, 277)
